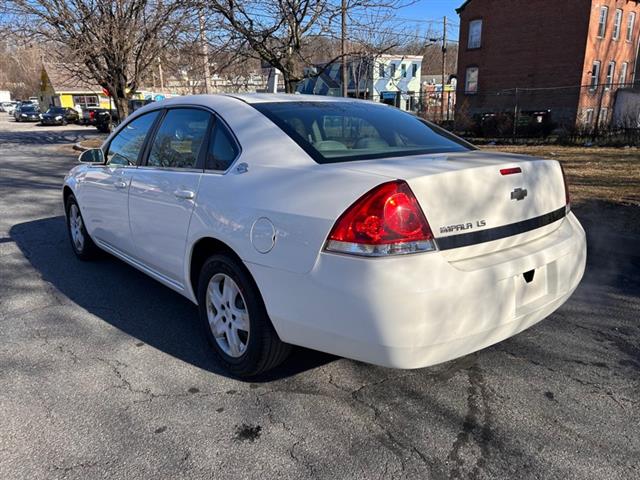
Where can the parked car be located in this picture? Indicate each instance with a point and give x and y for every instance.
(59, 116)
(344, 226)
(89, 115)
(8, 107)
(105, 120)
(27, 112)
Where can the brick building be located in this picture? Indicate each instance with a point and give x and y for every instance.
(561, 60)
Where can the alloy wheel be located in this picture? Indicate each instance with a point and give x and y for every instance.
(228, 315)
(75, 226)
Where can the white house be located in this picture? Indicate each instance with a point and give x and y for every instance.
(392, 79)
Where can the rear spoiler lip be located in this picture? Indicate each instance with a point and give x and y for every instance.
(497, 233)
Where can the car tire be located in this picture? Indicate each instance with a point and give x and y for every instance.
(257, 349)
(64, 123)
(81, 243)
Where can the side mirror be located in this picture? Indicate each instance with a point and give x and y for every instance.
(93, 155)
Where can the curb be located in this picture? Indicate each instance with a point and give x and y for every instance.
(78, 146)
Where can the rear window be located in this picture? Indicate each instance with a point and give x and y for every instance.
(332, 132)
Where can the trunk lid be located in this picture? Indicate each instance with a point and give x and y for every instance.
(472, 208)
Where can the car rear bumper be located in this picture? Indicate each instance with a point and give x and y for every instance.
(420, 310)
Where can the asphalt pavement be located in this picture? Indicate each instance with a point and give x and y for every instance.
(104, 373)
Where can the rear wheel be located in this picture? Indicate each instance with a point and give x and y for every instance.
(81, 242)
(235, 319)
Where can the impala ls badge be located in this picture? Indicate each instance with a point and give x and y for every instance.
(519, 194)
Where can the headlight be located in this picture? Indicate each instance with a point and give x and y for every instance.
(59, 117)
(23, 115)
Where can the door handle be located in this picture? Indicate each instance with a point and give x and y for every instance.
(186, 194)
(120, 184)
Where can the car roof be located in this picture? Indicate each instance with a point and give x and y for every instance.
(253, 98)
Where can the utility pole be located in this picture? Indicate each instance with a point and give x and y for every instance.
(205, 54)
(343, 47)
(444, 65)
(160, 75)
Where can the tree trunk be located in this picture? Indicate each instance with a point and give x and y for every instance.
(121, 104)
(290, 84)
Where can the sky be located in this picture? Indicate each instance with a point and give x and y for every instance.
(434, 10)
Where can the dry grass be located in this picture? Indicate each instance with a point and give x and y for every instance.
(593, 173)
(93, 142)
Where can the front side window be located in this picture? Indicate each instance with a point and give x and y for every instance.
(595, 75)
(631, 20)
(602, 22)
(126, 146)
(610, 73)
(222, 148)
(333, 132)
(471, 80)
(179, 139)
(617, 22)
(475, 34)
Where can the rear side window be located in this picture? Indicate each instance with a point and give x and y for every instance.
(332, 132)
(179, 139)
(127, 144)
(222, 148)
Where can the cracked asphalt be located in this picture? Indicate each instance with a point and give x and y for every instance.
(103, 372)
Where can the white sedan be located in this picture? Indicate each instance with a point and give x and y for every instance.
(344, 226)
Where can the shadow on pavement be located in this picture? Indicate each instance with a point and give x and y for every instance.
(39, 136)
(131, 301)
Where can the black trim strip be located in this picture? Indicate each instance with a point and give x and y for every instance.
(466, 239)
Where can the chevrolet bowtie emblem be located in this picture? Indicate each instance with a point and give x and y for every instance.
(519, 194)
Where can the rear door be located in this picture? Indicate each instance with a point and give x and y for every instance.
(105, 188)
(164, 191)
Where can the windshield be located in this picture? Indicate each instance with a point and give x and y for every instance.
(28, 108)
(347, 131)
(56, 110)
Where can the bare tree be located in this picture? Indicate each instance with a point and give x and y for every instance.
(20, 68)
(111, 42)
(284, 33)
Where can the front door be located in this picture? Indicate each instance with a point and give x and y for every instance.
(164, 191)
(105, 188)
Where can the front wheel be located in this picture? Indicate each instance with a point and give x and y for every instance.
(235, 320)
(81, 242)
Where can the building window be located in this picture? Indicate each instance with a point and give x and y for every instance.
(617, 22)
(471, 81)
(588, 116)
(381, 70)
(475, 34)
(602, 22)
(403, 69)
(86, 100)
(393, 70)
(414, 70)
(610, 73)
(595, 75)
(631, 20)
(602, 118)
(623, 74)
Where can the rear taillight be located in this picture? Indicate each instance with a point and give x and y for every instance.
(385, 221)
(567, 197)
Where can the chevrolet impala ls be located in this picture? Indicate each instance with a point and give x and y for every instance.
(339, 225)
